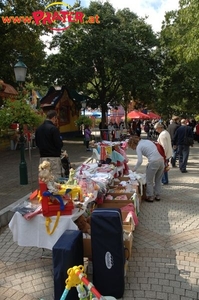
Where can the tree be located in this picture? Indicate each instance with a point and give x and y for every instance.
(106, 58)
(21, 39)
(179, 87)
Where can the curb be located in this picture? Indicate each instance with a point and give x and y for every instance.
(6, 213)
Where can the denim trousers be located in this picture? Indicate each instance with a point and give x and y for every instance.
(174, 156)
(183, 152)
(165, 177)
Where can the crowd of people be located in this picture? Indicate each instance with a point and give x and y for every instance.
(176, 138)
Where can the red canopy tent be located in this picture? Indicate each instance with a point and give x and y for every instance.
(135, 114)
(152, 115)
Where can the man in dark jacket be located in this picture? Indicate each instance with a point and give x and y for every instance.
(178, 141)
(172, 129)
(49, 142)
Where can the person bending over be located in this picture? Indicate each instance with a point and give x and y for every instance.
(154, 168)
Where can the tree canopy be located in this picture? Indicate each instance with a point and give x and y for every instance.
(106, 58)
(179, 42)
(21, 38)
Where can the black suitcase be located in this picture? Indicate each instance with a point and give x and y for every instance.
(108, 251)
(67, 253)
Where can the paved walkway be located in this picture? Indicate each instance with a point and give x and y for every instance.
(10, 188)
(165, 259)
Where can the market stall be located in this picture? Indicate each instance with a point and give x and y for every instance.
(36, 222)
(58, 207)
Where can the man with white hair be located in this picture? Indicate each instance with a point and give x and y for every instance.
(164, 140)
(179, 142)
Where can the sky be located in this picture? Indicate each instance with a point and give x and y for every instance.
(154, 9)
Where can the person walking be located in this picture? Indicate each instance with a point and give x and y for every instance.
(197, 132)
(49, 142)
(179, 143)
(164, 140)
(154, 169)
(87, 136)
(173, 126)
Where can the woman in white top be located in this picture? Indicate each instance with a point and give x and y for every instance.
(155, 166)
(164, 139)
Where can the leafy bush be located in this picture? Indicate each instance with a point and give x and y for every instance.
(18, 111)
(83, 120)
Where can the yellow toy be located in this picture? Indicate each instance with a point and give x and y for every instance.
(76, 276)
(45, 175)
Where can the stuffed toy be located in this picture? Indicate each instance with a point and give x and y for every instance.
(46, 176)
(83, 225)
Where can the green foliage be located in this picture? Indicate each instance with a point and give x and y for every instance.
(107, 58)
(178, 86)
(197, 118)
(83, 120)
(18, 111)
(22, 39)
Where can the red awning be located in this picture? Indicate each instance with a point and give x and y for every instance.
(135, 114)
(152, 115)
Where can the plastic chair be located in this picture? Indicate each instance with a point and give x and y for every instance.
(95, 156)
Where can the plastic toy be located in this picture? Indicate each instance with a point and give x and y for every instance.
(76, 277)
(51, 204)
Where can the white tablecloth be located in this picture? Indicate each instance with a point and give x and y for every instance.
(32, 233)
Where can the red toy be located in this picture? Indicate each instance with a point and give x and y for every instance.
(51, 203)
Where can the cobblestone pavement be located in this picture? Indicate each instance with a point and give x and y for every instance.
(10, 188)
(165, 259)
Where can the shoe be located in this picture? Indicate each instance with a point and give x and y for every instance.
(88, 149)
(157, 198)
(184, 171)
(165, 183)
(149, 199)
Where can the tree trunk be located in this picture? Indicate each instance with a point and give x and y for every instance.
(104, 111)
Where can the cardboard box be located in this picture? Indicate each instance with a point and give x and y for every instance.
(128, 243)
(130, 223)
(143, 197)
(87, 247)
(118, 188)
(114, 204)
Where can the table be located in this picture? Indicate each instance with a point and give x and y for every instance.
(32, 233)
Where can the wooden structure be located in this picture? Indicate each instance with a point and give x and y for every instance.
(6, 91)
(67, 103)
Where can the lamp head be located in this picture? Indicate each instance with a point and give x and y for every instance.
(20, 70)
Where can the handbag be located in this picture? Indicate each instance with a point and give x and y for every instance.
(188, 141)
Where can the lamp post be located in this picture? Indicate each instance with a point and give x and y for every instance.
(20, 70)
(83, 103)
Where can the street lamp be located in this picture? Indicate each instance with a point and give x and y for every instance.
(83, 103)
(20, 70)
